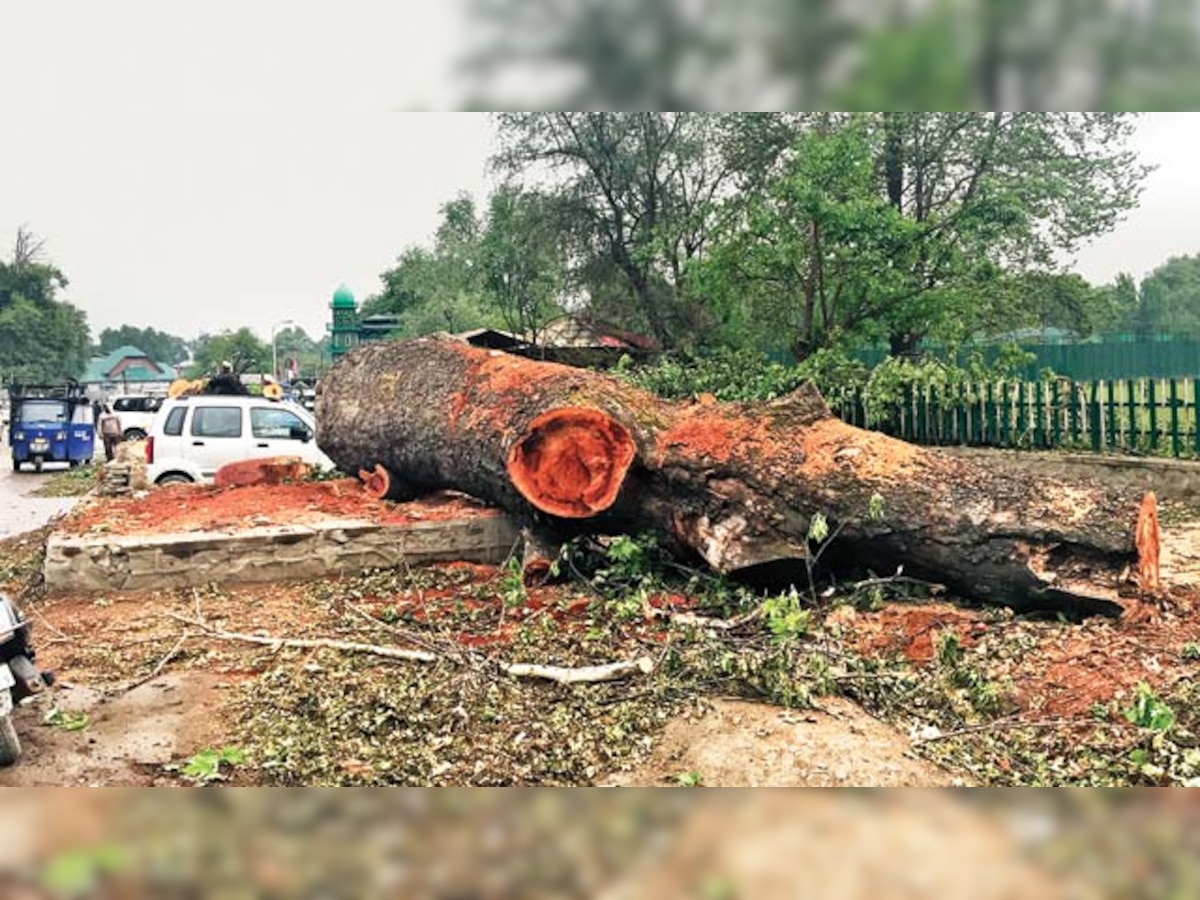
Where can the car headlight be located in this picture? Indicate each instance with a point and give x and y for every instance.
(20, 436)
(60, 436)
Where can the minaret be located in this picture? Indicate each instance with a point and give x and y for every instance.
(344, 333)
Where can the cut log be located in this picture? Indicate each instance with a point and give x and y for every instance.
(737, 484)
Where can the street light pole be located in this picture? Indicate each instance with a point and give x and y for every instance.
(274, 351)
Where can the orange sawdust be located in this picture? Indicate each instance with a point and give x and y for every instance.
(911, 631)
(183, 508)
(830, 444)
(706, 432)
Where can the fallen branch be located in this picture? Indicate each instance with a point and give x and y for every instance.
(170, 655)
(643, 665)
(560, 674)
(697, 621)
(1004, 725)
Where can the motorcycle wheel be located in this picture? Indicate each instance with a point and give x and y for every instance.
(10, 746)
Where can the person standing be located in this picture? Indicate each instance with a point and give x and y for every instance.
(110, 432)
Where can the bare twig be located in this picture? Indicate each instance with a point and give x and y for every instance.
(713, 622)
(170, 655)
(1004, 725)
(561, 674)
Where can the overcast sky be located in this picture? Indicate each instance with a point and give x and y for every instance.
(233, 167)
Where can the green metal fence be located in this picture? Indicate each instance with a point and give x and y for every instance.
(1142, 415)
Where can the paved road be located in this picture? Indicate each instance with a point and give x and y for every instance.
(20, 512)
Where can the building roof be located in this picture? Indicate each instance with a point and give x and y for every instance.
(343, 298)
(584, 331)
(140, 368)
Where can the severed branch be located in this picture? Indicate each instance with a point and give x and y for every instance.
(697, 621)
(560, 674)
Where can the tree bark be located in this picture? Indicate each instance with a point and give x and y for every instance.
(571, 450)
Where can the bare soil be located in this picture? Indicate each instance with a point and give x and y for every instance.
(100, 645)
(736, 743)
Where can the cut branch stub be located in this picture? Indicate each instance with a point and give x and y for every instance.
(571, 462)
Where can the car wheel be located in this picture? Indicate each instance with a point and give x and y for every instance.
(134, 434)
(174, 478)
(10, 746)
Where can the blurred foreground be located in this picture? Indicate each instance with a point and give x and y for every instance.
(609, 844)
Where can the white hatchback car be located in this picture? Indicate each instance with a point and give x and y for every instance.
(194, 436)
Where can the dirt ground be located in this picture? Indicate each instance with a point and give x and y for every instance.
(737, 743)
(155, 690)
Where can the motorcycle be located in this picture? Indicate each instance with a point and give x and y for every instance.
(19, 677)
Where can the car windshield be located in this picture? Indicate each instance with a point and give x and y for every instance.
(41, 411)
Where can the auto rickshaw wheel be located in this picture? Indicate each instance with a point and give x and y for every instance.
(16, 464)
(37, 464)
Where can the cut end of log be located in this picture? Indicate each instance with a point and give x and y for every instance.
(572, 462)
(1146, 537)
(376, 482)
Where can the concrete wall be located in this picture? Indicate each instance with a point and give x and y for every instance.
(1171, 479)
(267, 554)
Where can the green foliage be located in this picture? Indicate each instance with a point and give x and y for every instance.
(158, 345)
(523, 257)
(205, 767)
(241, 348)
(42, 339)
(689, 779)
(1169, 298)
(1148, 711)
(440, 289)
(785, 616)
(512, 584)
(65, 719)
(1190, 651)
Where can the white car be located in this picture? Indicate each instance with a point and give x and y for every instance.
(136, 412)
(194, 436)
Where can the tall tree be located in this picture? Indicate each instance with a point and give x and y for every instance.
(642, 187)
(1169, 298)
(439, 289)
(241, 349)
(41, 338)
(523, 259)
(972, 199)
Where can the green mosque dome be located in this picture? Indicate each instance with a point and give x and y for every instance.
(343, 299)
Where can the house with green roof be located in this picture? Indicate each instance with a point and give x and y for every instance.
(127, 368)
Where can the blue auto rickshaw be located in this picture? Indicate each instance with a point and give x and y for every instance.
(50, 423)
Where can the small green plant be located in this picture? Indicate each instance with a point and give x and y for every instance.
(512, 584)
(66, 720)
(1148, 711)
(1190, 651)
(205, 766)
(689, 779)
(949, 649)
(785, 618)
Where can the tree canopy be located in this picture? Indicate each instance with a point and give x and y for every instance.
(158, 345)
(42, 339)
(242, 349)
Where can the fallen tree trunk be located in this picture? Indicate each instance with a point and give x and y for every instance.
(738, 484)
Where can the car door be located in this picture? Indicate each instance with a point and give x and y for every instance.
(277, 431)
(216, 436)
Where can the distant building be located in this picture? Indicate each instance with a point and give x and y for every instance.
(580, 340)
(127, 370)
(348, 329)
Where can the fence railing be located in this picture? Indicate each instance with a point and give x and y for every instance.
(1143, 415)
